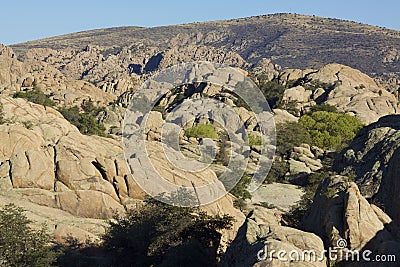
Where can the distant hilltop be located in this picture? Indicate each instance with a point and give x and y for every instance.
(289, 40)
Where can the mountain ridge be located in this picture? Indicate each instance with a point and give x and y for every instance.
(290, 40)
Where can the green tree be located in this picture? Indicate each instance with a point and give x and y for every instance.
(289, 135)
(158, 234)
(272, 90)
(85, 122)
(20, 245)
(330, 130)
(240, 189)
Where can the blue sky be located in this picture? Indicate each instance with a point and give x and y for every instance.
(29, 20)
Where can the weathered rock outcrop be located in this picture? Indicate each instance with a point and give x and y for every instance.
(305, 159)
(263, 232)
(372, 158)
(10, 68)
(348, 89)
(340, 212)
(46, 160)
(41, 151)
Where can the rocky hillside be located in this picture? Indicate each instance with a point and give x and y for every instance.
(372, 159)
(51, 164)
(289, 40)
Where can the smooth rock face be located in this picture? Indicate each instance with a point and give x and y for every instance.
(339, 211)
(281, 116)
(372, 158)
(281, 196)
(262, 230)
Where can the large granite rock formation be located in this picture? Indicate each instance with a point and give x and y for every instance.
(262, 231)
(46, 160)
(372, 158)
(344, 219)
(348, 89)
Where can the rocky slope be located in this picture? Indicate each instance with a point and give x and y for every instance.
(46, 160)
(340, 212)
(73, 77)
(48, 167)
(290, 40)
(372, 158)
(263, 230)
(349, 90)
(340, 218)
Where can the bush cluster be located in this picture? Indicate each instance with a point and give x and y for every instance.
(161, 235)
(202, 131)
(21, 245)
(330, 130)
(87, 123)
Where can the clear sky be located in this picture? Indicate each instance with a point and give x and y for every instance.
(29, 20)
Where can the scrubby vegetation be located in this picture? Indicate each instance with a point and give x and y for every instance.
(330, 130)
(86, 122)
(255, 140)
(161, 235)
(35, 96)
(240, 191)
(202, 131)
(323, 107)
(20, 244)
(272, 90)
(155, 234)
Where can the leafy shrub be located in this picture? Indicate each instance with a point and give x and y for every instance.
(272, 90)
(35, 96)
(20, 245)
(85, 122)
(290, 106)
(289, 135)
(240, 189)
(157, 234)
(255, 140)
(330, 130)
(202, 131)
(89, 108)
(278, 171)
(28, 124)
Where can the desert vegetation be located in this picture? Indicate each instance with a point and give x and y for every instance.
(85, 121)
(21, 244)
(202, 131)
